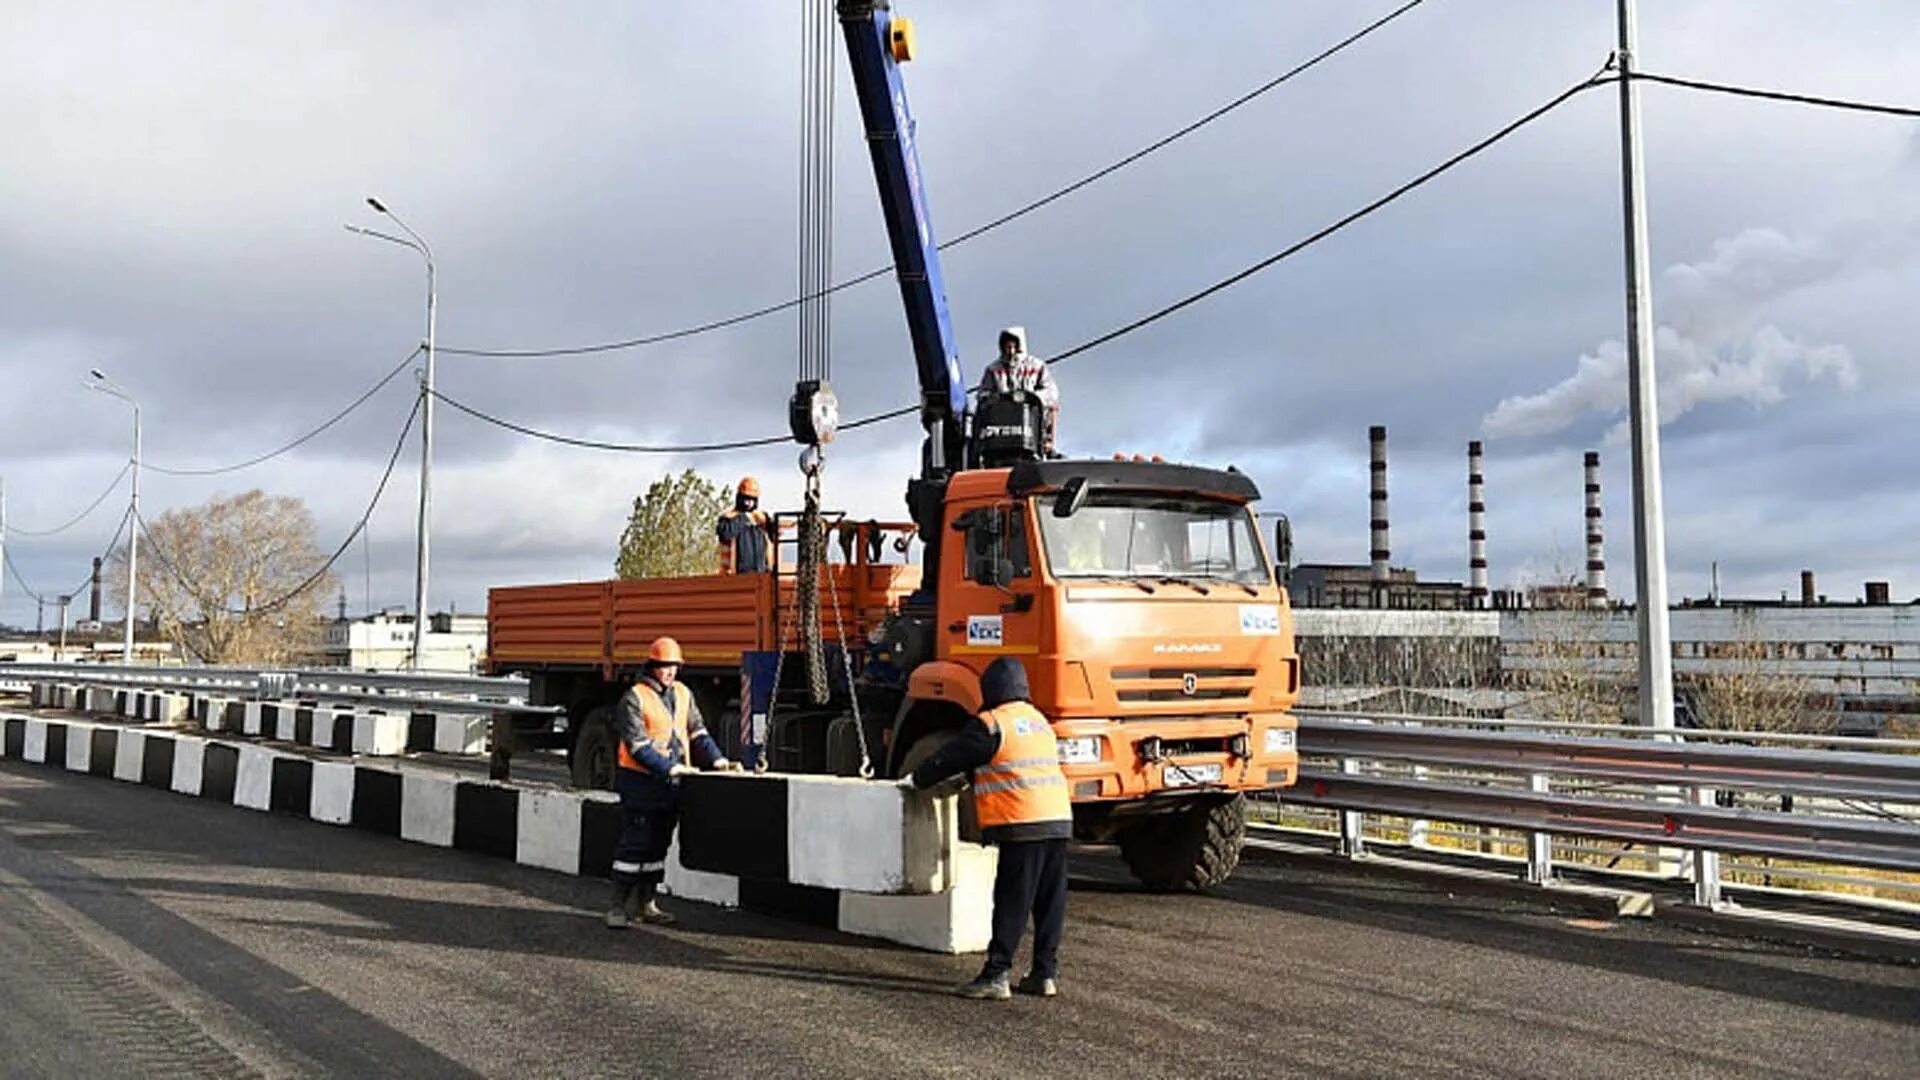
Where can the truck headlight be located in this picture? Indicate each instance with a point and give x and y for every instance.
(1279, 740)
(1084, 750)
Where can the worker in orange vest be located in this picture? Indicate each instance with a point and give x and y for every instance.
(1020, 796)
(746, 532)
(661, 738)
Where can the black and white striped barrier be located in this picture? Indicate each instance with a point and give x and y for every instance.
(790, 865)
(340, 727)
(151, 706)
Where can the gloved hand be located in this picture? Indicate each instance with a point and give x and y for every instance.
(905, 783)
(681, 770)
(723, 765)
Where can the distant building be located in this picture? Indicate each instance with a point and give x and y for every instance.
(1338, 585)
(384, 642)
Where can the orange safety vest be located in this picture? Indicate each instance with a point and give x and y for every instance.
(727, 559)
(1023, 783)
(664, 725)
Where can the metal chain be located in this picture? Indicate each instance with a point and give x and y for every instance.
(853, 694)
(773, 696)
(807, 587)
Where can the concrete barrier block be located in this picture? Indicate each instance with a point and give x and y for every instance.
(707, 888)
(332, 792)
(79, 747)
(959, 920)
(189, 758)
(379, 733)
(129, 757)
(426, 807)
(35, 747)
(460, 734)
(253, 783)
(130, 703)
(867, 836)
(547, 833)
(286, 721)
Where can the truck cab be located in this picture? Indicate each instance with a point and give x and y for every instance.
(1145, 609)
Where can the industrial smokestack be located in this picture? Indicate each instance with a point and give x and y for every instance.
(1382, 575)
(1879, 593)
(1807, 595)
(1596, 551)
(93, 597)
(1476, 528)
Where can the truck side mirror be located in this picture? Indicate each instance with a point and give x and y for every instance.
(1283, 546)
(1072, 496)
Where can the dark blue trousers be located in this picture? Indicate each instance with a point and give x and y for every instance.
(1031, 881)
(651, 812)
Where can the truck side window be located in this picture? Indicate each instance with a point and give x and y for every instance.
(997, 535)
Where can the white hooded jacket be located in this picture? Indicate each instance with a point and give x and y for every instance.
(1023, 371)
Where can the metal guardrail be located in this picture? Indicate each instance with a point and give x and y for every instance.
(426, 691)
(1858, 808)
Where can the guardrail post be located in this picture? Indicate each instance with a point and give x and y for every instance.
(1539, 844)
(1353, 843)
(1417, 828)
(1706, 864)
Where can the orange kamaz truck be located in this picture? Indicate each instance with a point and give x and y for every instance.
(1137, 592)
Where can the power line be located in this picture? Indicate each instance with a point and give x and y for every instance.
(1599, 78)
(292, 594)
(330, 422)
(1778, 95)
(977, 231)
(82, 515)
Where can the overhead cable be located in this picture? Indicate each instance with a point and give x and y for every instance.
(359, 527)
(270, 455)
(1601, 78)
(82, 515)
(1777, 95)
(979, 230)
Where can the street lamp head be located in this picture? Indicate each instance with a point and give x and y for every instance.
(375, 203)
(97, 374)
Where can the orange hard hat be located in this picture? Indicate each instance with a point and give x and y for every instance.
(750, 487)
(664, 650)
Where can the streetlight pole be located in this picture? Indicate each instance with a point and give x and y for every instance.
(108, 386)
(1649, 530)
(423, 528)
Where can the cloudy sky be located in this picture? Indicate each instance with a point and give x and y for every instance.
(178, 176)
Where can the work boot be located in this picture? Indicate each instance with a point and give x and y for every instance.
(620, 907)
(987, 988)
(1038, 986)
(651, 912)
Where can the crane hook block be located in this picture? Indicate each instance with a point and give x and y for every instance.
(900, 36)
(813, 414)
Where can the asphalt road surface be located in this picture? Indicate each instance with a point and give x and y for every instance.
(146, 934)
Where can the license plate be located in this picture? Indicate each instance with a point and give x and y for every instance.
(1189, 775)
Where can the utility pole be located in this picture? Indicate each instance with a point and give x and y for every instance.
(423, 528)
(108, 386)
(60, 650)
(3, 548)
(1649, 531)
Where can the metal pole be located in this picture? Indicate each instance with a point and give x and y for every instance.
(3, 549)
(133, 539)
(1649, 538)
(60, 650)
(426, 482)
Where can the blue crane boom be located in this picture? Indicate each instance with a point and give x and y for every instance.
(877, 43)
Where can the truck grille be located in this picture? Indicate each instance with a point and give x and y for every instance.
(1185, 684)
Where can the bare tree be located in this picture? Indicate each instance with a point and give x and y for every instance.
(1748, 684)
(1577, 674)
(235, 580)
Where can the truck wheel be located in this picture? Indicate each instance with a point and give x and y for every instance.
(924, 748)
(1193, 849)
(593, 751)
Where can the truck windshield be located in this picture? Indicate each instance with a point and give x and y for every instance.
(1143, 535)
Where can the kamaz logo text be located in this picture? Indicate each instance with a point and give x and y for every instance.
(1203, 647)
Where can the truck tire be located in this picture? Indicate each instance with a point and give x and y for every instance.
(592, 756)
(1193, 849)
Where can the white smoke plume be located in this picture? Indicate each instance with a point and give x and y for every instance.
(1709, 351)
